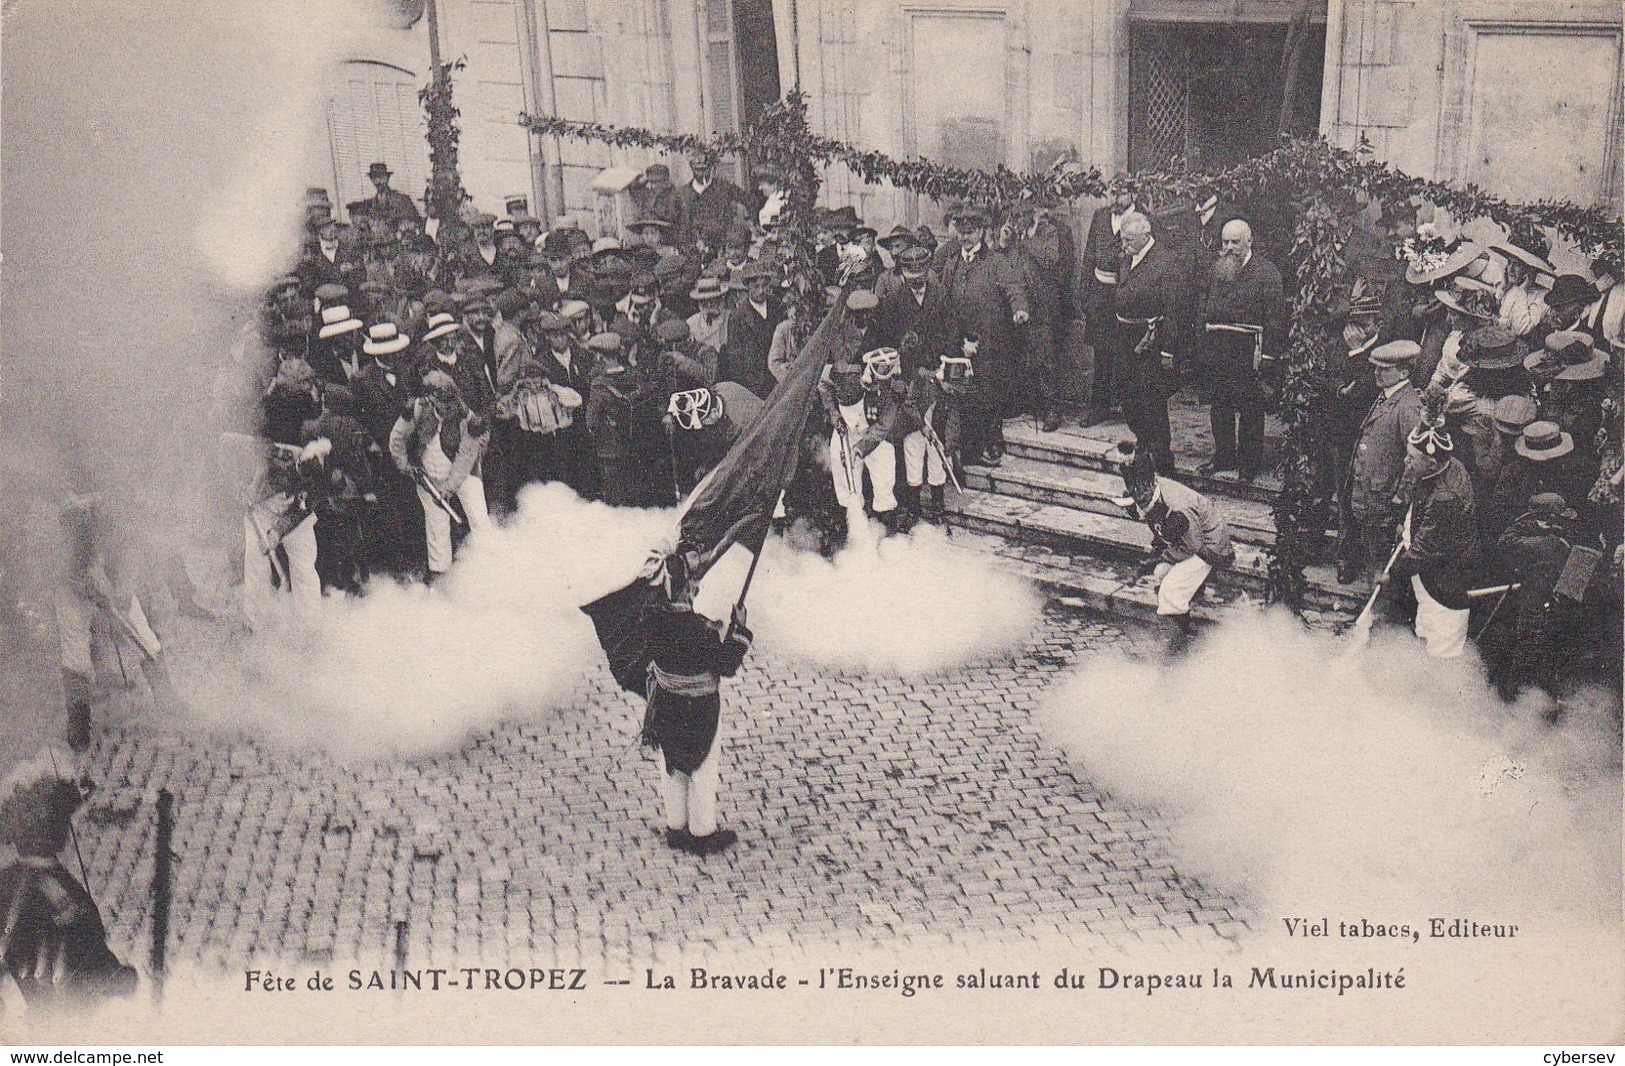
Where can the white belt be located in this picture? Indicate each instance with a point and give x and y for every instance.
(1234, 327)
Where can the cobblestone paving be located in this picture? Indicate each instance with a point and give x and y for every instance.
(872, 811)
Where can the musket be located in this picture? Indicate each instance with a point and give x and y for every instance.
(935, 442)
(84, 878)
(437, 496)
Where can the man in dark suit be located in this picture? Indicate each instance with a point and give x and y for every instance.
(913, 317)
(383, 389)
(1039, 254)
(707, 205)
(1376, 474)
(1149, 305)
(331, 259)
(990, 304)
(1102, 249)
(751, 323)
(1244, 321)
(386, 207)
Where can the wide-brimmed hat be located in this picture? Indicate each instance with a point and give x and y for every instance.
(1491, 347)
(1569, 355)
(384, 338)
(1533, 260)
(439, 325)
(1394, 353)
(1467, 301)
(337, 320)
(709, 288)
(900, 234)
(1512, 413)
(1543, 441)
(1439, 267)
(379, 170)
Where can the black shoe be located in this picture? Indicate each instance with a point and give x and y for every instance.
(1216, 464)
(1248, 474)
(681, 840)
(1347, 572)
(1051, 421)
(1095, 416)
(931, 503)
(714, 843)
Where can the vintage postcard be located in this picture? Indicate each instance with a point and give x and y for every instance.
(811, 521)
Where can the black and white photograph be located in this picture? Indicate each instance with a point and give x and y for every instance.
(808, 522)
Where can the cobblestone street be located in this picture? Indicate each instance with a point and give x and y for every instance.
(872, 811)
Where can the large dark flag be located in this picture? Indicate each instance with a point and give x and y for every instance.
(733, 504)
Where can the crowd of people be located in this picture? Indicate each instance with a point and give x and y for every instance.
(414, 373)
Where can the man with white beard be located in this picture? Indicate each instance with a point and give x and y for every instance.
(1244, 324)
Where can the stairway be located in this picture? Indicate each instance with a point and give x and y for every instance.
(1048, 511)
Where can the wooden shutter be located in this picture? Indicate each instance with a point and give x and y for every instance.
(375, 116)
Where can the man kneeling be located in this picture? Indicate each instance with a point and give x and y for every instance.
(1188, 535)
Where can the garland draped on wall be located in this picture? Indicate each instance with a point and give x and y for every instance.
(1320, 180)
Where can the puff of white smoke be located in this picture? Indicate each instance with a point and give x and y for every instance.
(1304, 780)
(905, 605)
(407, 669)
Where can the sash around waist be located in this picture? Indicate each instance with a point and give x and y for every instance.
(1234, 327)
(683, 684)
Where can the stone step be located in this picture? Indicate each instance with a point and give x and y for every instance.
(1085, 534)
(1084, 489)
(1087, 449)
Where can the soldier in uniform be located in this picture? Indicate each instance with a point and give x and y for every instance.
(1244, 324)
(864, 401)
(1440, 539)
(52, 940)
(690, 654)
(704, 423)
(1189, 537)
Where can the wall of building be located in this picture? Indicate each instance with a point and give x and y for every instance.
(1519, 96)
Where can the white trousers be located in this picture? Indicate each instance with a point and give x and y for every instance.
(300, 545)
(846, 469)
(1444, 629)
(1180, 583)
(922, 464)
(436, 522)
(691, 799)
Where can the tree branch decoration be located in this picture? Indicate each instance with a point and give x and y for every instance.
(446, 195)
(1324, 184)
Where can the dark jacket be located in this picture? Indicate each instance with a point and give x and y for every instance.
(1156, 287)
(1097, 273)
(1444, 536)
(750, 338)
(983, 295)
(1379, 455)
(378, 401)
(900, 314)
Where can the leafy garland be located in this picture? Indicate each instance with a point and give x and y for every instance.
(446, 195)
(1322, 181)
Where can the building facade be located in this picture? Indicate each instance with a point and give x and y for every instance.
(1522, 97)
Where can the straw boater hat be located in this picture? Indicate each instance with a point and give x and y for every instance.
(439, 325)
(1569, 355)
(709, 288)
(1394, 353)
(384, 338)
(336, 321)
(1543, 441)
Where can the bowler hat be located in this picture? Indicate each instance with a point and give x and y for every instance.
(900, 234)
(1394, 354)
(379, 170)
(1570, 289)
(672, 331)
(1543, 441)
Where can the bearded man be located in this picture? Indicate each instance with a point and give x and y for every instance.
(1244, 326)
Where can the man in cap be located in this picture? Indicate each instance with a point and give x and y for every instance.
(649, 243)
(641, 311)
(1345, 400)
(1542, 460)
(438, 443)
(689, 364)
(708, 205)
(609, 421)
(689, 654)
(1570, 387)
(567, 279)
(1149, 305)
(1244, 324)
(1508, 417)
(54, 944)
(1377, 471)
(477, 258)
(751, 322)
(891, 277)
(566, 368)
(990, 302)
(708, 325)
(578, 315)
(914, 318)
(1102, 252)
(735, 258)
(1439, 538)
(331, 259)
(1036, 382)
(1189, 538)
